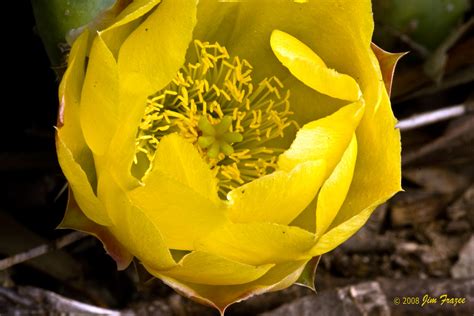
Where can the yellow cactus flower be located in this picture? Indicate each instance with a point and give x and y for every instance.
(227, 145)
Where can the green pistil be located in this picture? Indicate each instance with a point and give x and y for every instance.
(218, 138)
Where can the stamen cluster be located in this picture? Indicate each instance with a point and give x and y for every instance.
(214, 93)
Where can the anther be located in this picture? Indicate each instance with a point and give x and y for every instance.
(214, 104)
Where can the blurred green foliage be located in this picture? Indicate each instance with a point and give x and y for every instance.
(426, 22)
(56, 18)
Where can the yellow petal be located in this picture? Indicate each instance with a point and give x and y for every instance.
(70, 96)
(121, 153)
(279, 277)
(341, 233)
(132, 226)
(278, 197)
(125, 23)
(69, 128)
(180, 203)
(258, 243)
(310, 69)
(170, 25)
(339, 33)
(80, 185)
(100, 98)
(326, 138)
(335, 188)
(145, 68)
(74, 156)
(377, 174)
(203, 268)
(178, 159)
(133, 11)
(180, 213)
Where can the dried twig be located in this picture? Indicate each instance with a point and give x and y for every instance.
(431, 117)
(41, 250)
(29, 300)
(61, 192)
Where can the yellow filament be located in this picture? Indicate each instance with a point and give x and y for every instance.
(215, 86)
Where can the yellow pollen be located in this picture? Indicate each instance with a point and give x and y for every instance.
(214, 104)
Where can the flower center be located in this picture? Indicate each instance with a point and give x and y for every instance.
(214, 104)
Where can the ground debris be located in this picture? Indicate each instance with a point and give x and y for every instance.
(384, 297)
(464, 267)
(417, 206)
(463, 208)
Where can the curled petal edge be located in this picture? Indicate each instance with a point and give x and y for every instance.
(310, 69)
(75, 219)
(388, 62)
(270, 282)
(308, 276)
